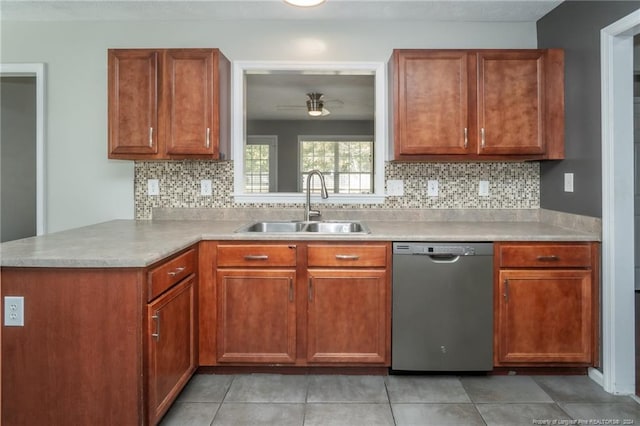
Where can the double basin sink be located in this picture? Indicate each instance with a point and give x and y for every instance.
(319, 227)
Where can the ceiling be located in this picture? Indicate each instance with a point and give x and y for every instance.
(430, 10)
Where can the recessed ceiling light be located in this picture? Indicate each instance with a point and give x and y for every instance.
(304, 3)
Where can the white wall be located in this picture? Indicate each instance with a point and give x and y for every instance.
(84, 186)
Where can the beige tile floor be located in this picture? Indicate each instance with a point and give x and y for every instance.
(271, 399)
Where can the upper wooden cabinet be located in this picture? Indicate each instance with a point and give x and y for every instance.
(168, 103)
(478, 105)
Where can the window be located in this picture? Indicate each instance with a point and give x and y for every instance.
(345, 161)
(260, 164)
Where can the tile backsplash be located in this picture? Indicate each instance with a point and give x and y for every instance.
(511, 186)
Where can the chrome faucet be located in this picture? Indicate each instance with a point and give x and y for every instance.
(308, 213)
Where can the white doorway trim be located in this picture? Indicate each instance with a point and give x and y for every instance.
(36, 70)
(618, 336)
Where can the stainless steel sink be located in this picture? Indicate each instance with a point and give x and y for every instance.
(320, 227)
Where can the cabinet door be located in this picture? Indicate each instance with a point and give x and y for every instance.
(189, 101)
(510, 106)
(256, 316)
(133, 103)
(544, 316)
(348, 316)
(431, 109)
(172, 351)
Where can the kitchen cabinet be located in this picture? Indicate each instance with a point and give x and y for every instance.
(86, 351)
(546, 300)
(171, 332)
(470, 105)
(297, 304)
(256, 303)
(168, 103)
(349, 304)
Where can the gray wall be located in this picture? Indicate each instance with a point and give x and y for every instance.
(575, 26)
(17, 157)
(288, 131)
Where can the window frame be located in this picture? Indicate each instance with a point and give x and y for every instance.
(238, 136)
(272, 142)
(334, 138)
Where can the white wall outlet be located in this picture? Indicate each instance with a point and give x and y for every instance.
(206, 187)
(153, 187)
(568, 182)
(483, 188)
(432, 188)
(14, 311)
(395, 187)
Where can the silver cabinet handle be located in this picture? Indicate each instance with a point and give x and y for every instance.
(506, 290)
(310, 289)
(176, 271)
(290, 290)
(156, 317)
(347, 257)
(150, 137)
(208, 140)
(466, 137)
(552, 258)
(256, 257)
(482, 137)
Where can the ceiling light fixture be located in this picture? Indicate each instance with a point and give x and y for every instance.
(315, 105)
(304, 3)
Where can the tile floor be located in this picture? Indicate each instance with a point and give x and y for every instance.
(271, 399)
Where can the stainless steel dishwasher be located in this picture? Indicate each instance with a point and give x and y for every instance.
(442, 317)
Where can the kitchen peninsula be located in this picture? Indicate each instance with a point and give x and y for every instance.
(125, 311)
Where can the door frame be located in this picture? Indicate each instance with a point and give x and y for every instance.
(36, 70)
(618, 328)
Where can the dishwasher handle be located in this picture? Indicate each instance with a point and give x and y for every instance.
(443, 258)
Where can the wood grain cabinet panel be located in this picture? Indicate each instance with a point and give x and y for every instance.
(546, 304)
(168, 103)
(347, 316)
(256, 316)
(172, 348)
(478, 104)
(133, 102)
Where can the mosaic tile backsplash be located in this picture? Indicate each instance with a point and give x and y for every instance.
(511, 186)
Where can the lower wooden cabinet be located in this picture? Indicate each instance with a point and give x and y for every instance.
(99, 346)
(171, 342)
(546, 310)
(295, 304)
(348, 316)
(256, 316)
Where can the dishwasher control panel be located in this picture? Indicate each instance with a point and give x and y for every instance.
(434, 249)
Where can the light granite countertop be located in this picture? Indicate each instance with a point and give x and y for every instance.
(130, 243)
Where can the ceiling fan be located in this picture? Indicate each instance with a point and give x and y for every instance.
(315, 105)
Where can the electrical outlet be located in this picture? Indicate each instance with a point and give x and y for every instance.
(483, 188)
(568, 182)
(14, 311)
(395, 187)
(206, 187)
(432, 188)
(153, 187)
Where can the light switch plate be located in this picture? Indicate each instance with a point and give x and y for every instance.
(14, 311)
(483, 188)
(568, 182)
(395, 187)
(153, 187)
(206, 187)
(432, 188)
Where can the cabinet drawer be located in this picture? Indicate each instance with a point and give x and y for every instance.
(347, 255)
(256, 255)
(545, 255)
(169, 273)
